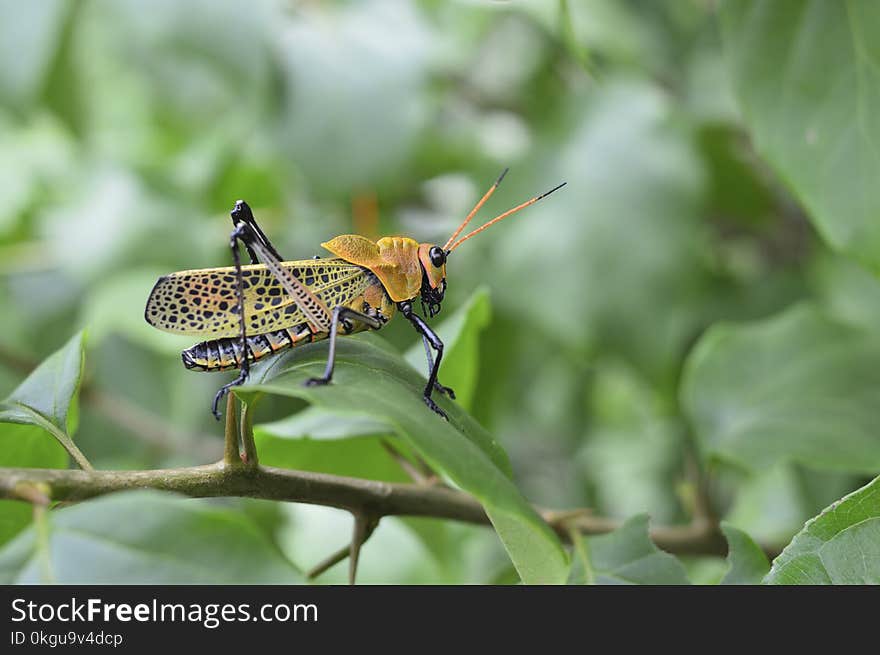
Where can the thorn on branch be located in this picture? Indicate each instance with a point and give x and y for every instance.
(247, 436)
(364, 526)
(328, 563)
(231, 455)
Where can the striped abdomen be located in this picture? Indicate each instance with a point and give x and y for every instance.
(225, 354)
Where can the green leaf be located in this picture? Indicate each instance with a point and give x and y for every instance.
(323, 424)
(628, 556)
(49, 390)
(173, 541)
(370, 380)
(840, 546)
(747, 563)
(48, 397)
(799, 386)
(460, 334)
(849, 291)
(807, 78)
(300, 441)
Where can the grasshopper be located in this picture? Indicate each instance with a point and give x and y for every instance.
(249, 312)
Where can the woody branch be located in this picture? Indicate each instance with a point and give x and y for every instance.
(360, 497)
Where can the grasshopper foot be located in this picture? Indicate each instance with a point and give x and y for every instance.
(215, 406)
(316, 382)
(446, 391)
(435, 408)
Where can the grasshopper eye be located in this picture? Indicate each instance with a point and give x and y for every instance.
(438, 257)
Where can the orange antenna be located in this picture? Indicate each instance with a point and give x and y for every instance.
(467, 219)
(500, 217)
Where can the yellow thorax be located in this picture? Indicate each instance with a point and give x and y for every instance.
(394, 260)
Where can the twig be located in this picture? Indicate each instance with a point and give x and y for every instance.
(330, 562)
(345, 551)
(269, 483)
(364, 524)
(355, 495)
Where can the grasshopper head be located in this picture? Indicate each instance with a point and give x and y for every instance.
(433, 261)
(433, 258)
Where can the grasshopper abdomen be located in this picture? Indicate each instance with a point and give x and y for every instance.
(225, 354)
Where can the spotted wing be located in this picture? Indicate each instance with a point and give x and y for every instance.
(204, 302)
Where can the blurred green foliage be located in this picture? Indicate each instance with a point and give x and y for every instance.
(626, 556)
(211, 545)
(128, 131)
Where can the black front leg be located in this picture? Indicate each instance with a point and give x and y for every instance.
(446, 391)
(427, 333)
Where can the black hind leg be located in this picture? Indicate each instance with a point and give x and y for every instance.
(241, 232)
(247, 231)
(242, 214)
